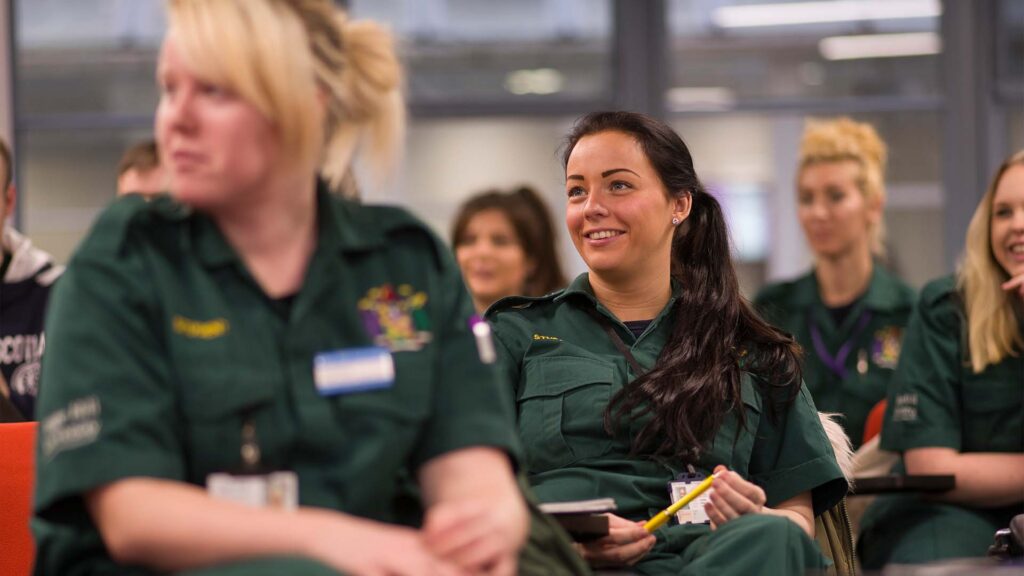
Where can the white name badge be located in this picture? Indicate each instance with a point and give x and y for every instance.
(353, 370)
(692, 513)
(275, 490)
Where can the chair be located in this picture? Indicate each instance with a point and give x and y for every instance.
(873, 424)
(17, 477)
(832, 529)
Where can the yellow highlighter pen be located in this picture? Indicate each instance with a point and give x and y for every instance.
(659, 519)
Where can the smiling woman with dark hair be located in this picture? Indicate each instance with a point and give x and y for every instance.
(652, 364)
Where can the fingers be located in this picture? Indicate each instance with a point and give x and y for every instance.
(731, 497)
(612, 554)
(468, 535)
(450, 527)
(626, 543)
(504, 567)
(1015, 284)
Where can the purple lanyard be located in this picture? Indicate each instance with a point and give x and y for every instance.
(837, 363)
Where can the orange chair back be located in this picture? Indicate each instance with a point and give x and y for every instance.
(17, 477)
(873, 425)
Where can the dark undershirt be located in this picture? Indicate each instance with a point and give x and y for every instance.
(839, 313)
(637, 327)
(283, 305)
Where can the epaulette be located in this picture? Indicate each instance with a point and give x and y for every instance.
(938, 290)
(519, 302)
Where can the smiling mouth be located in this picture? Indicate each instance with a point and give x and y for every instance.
(603, 234)
(1017, 249)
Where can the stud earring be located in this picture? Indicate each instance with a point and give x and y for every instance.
(675, 221)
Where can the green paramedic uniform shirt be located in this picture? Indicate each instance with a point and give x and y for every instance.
(160, 341)
(936, 400)
(565, 370)
(848, 369)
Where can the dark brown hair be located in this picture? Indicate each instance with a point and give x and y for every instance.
(142, 157)
(532, 222)
(716, 335)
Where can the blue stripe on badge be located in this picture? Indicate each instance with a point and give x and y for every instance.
(353, 370)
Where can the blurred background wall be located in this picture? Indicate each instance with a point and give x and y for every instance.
(493, 85)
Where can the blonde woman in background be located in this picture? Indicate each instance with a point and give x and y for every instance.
(956, 403)
(240, 371)
(848, 312)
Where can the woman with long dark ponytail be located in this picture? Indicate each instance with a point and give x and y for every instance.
(651, 370)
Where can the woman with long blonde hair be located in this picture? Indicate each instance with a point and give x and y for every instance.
(243, 372)
(956, 404)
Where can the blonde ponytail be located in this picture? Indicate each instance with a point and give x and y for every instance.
(366, 106)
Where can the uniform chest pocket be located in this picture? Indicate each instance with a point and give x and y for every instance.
(993, 417)
(390, 418)
(560, 411)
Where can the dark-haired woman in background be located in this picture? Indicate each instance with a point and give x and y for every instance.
(652, 363)
(956, 402)
(505, 245)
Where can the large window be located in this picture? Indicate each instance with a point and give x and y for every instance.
(729, 54)
(85, 91)
(745, 76)
(473, 51)
(493, 85)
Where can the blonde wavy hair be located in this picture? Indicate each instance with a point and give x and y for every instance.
(254, 47)
(993, 331)
(842, 139)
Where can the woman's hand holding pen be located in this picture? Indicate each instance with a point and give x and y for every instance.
(626, 543)
(1015, 285)
(732, 496)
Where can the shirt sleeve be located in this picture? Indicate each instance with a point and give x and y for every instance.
(107, 407)
(923, 408)
(792, 455)
(470, 405)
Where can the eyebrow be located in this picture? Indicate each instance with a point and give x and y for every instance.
(604, 174)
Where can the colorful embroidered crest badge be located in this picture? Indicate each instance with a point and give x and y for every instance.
(395, 319)
(885, 347)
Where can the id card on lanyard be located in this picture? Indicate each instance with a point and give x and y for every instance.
(251, 486)
(692, 513)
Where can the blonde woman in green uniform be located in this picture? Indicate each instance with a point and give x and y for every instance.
(651, 363)
(848, 313)
(956, 405)
(239, 374)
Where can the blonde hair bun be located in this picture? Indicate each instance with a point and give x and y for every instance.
(842, 139)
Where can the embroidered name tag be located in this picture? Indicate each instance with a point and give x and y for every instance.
(353, 370)
(202, 330)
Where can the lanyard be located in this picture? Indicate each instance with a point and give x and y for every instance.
(837, 364)
(617, 341)
(250, 447)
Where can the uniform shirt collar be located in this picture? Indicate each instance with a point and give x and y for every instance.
(339, 230)
(580, 288)
(882, 293)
